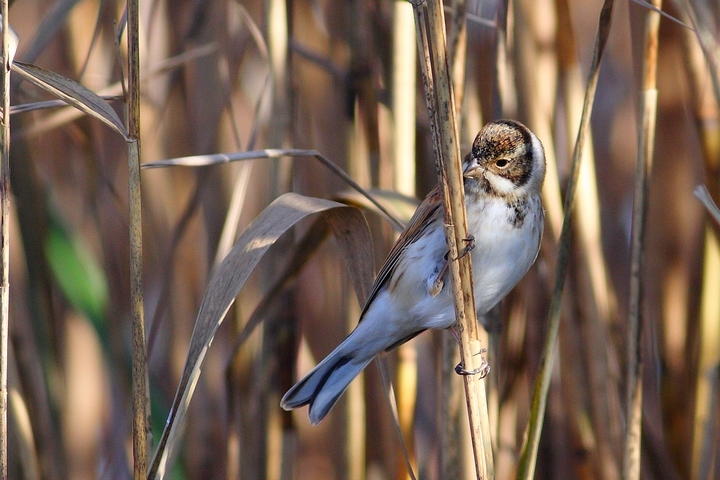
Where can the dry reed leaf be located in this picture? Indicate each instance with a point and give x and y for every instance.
(386, 204)
(302, 251)
(47, 104)
(701, 192)
(220, 158)
(390, 397)
(401, 206)
(651, 7)
(232, 273)
(63, 116)
(353, 236)
(72, 93)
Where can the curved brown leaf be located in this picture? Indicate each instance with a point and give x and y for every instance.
(232, 273)
(71, 93)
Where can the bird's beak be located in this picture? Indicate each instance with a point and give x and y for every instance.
(473, 172)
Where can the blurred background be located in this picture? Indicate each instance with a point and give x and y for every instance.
(342, 78)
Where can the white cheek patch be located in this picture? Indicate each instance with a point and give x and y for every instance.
(501, 185)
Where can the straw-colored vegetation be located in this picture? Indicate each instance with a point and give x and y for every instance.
(152, 317)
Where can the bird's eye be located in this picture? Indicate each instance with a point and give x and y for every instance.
(502, 162)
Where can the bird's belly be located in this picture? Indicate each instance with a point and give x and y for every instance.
(504, 251)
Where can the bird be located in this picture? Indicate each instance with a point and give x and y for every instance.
(502, 178)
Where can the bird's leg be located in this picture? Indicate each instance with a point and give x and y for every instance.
(482, 370)
(469, 246)
(439, 283)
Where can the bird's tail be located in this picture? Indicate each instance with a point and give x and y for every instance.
(322, 387)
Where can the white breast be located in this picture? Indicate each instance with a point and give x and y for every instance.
(502, 255)
(503, 251)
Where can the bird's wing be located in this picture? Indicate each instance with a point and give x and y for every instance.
(420, 221)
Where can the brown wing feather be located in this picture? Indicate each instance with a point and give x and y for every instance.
(419, 222)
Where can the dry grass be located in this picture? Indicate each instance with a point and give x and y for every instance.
(220, 78)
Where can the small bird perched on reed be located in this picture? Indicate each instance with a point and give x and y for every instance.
(503, 176)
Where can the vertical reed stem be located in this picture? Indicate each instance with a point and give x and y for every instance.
(140, 394)
(443, 121)
(646, 140)
(4, 237)
(528, 460)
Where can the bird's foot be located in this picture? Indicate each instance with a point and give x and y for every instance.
(482, 370)
(438, 284)
(469, 246)
(436, 287)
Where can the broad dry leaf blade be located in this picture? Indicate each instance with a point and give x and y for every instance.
(353, 236)
(302, 251)
(225, 284)
(356, 247)
(72, 93)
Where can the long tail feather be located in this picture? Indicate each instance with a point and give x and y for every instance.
(322, 387)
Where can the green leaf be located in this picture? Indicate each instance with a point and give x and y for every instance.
(80, 278)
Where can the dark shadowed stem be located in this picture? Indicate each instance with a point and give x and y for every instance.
(528, 460)
(276, 444)
(140, 391)
(646, 140)
(443, 121)
(4, 238)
